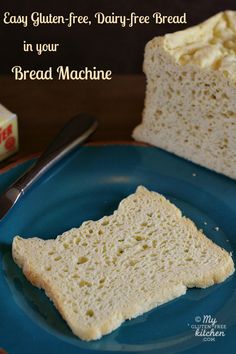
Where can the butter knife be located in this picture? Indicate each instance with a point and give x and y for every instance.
(74, 133)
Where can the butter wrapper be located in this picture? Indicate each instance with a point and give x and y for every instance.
(9, 141)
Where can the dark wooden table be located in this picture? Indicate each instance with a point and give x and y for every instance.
(44, 106)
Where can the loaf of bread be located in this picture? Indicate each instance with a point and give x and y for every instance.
(122, 265)
(190, 105)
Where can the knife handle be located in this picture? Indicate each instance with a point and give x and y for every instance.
(74, 133)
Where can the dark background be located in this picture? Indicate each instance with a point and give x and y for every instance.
(44, 106)
(103, 46)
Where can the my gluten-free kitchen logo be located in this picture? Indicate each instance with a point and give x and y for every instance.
(207, 328)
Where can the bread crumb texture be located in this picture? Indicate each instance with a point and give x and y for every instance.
(122, 265)
(190, 106)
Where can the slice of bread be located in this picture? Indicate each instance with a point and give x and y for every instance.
(122, 265)
(190, 106)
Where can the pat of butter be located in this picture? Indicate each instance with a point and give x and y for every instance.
(8, 133)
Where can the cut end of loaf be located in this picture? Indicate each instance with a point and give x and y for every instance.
(190, 107)
(122, 265)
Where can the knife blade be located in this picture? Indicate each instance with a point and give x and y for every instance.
(74, 133)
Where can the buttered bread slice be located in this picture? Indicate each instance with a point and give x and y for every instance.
(190, 105)
(122, 265)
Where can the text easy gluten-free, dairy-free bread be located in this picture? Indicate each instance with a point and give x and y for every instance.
(190, 105)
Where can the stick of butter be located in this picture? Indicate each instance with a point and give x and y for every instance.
(8, 133)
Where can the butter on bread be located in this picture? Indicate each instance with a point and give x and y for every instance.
(122, 265)
(190, 106)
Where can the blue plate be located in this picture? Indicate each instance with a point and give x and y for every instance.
(87, 185)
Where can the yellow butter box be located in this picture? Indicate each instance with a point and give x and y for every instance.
(8, 133)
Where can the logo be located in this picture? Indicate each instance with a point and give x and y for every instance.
(6, 137)
(10, 145)
(207, 328)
